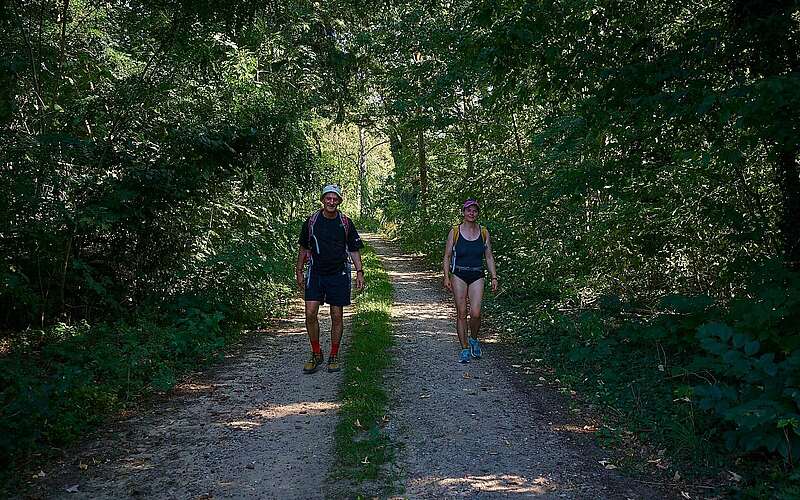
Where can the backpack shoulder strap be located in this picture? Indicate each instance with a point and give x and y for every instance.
(312, 219)
(346, 224)
(456, 234)
(484, 234)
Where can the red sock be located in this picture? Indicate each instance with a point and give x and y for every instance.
(334, 349)
(315, 348)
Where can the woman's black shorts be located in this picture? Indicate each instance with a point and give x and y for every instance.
(468, 277)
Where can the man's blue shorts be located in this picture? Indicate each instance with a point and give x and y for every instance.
(333, 289)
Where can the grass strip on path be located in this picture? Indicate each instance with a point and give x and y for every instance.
(362, 447)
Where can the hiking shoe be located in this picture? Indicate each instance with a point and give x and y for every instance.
(333, 364)
(464, 356)
(313, 363)
(474, 348)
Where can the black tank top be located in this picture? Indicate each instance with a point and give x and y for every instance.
(468, 254)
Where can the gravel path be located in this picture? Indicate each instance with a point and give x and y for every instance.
(473, 430)
(254, 427)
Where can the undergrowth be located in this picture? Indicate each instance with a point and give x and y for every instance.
(713, 387)
(53, 394)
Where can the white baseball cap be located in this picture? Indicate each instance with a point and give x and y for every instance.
(331, 188)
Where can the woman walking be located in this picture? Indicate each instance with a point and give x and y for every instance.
(467, 245)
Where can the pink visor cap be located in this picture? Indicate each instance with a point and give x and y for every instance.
(470, 202)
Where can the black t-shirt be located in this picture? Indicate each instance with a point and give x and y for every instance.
(329, 252)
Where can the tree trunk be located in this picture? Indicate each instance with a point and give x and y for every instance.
(317, 142)
(61, 51)
(363, 200)
(516, 137)
(64, 269)
(468, 142)
(765, 30)
(470, 159)
(789, 183)
(423, 170)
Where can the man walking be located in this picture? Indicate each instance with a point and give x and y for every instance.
(327, 237)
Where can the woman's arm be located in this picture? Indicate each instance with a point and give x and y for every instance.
(448, 253)
(487, 252)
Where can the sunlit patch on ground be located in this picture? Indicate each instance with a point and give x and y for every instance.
(302, 408)
(256, 418)
(496, 483)
(578, 429)
(419, 311)
(195, 387)
(243, 425)
(137, 464)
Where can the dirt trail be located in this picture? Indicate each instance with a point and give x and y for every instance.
(468, 430)
(255, 427)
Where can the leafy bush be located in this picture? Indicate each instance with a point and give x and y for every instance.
(52, 394)
(755, 393)
(754, 357)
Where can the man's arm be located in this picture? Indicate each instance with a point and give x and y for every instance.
(298, 268)
(302, 255)
(356, 257)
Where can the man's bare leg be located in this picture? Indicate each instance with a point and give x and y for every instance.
(312, 320)
(337, 324)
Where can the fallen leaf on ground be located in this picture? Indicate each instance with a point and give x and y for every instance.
(71, 489)
(734, 476)
(423, 396)
(366, 460)
(83, 466)
(39, 475)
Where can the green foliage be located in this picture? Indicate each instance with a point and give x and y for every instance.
(757, 395)
(633, 168)
(714, 383)
(155, 163)
(755, 361)
(66, 379)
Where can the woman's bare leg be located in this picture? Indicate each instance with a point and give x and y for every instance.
(475, 293)
(460, 295)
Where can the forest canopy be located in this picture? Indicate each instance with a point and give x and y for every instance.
(636, 163)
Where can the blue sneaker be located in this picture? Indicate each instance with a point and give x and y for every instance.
(464, 356)
(474, 348)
